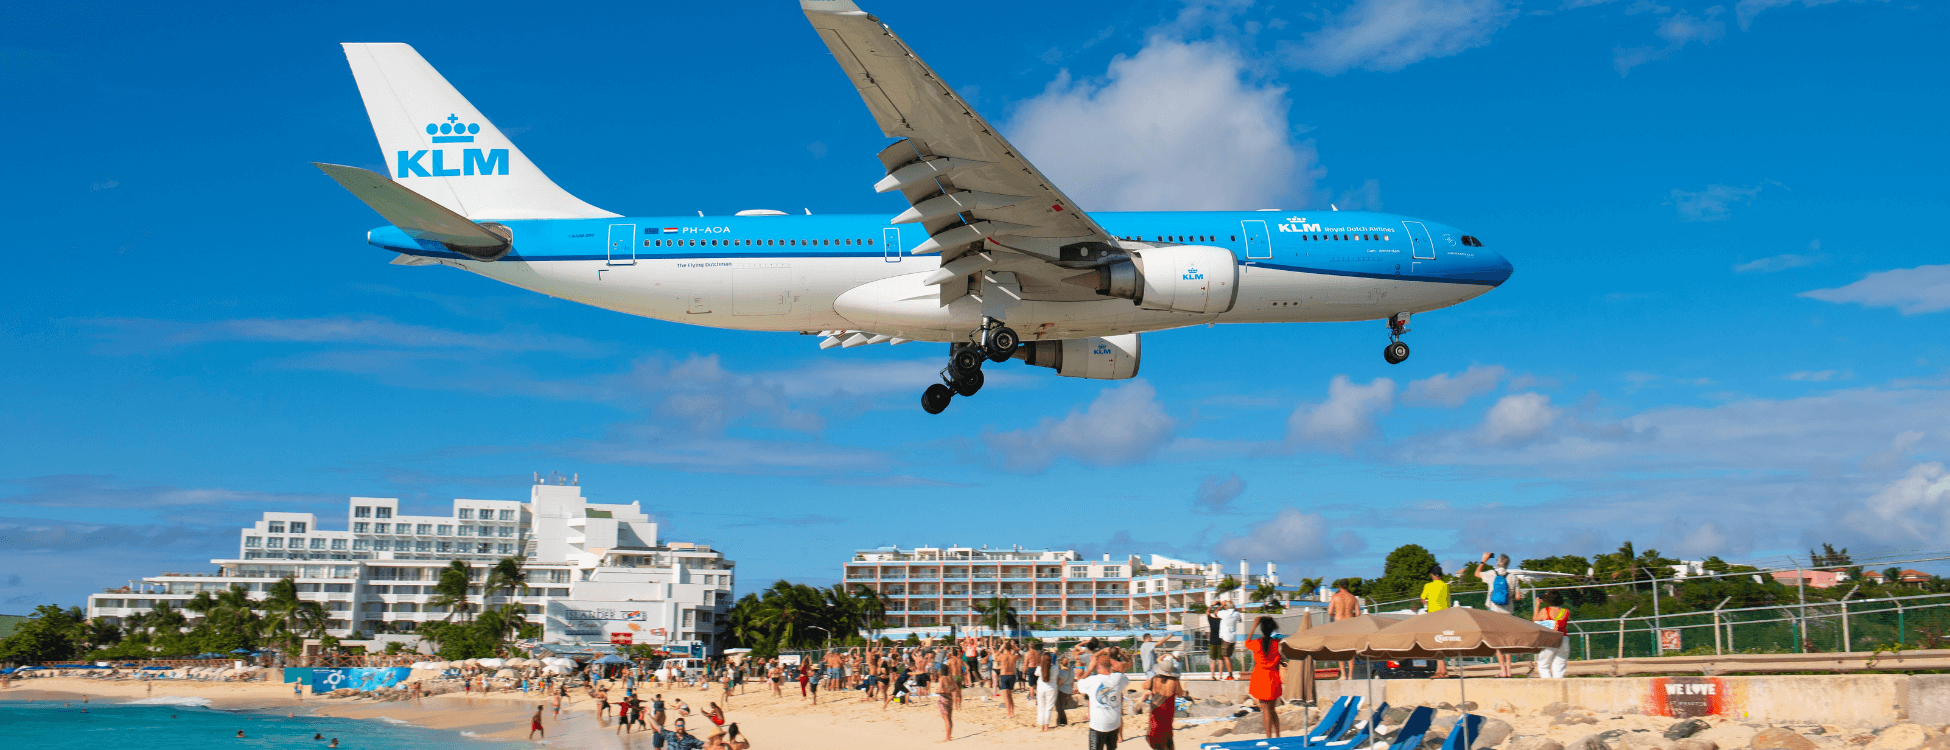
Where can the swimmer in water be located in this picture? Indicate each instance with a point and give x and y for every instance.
(318, 736)
(240, 734)
(335, 742)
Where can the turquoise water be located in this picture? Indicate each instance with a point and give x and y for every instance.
(106, 726)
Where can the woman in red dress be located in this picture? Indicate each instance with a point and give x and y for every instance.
(1266, 686)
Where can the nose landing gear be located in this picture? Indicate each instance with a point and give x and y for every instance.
(1396, 352)
(963, 375)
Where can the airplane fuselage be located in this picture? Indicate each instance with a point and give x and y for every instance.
(854, 272)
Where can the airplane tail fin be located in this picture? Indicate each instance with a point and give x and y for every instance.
(436, 144)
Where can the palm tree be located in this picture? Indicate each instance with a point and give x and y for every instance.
(1268, 596)
(997, 613)
(509, 575)
(451, 590)
(1312, 586)
(788, 610)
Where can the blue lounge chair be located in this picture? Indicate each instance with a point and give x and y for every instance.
(1357, 732)
(1470, 726)
(1339, 717)
(1409, 737)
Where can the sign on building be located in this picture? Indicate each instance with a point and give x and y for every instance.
(1669, 640)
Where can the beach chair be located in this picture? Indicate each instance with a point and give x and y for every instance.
(1470, 725)
(1409, 737)
(1341, 715)
(1357, 733)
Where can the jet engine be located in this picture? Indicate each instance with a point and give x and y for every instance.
(1104, 358)
(1181, 278)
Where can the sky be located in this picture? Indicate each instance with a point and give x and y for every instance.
(1724, 335)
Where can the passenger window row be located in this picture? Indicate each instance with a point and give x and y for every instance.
(750, 243)
(1343, 238)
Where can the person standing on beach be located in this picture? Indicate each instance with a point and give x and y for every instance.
(1005, 676)
(1504, 592)
(657, 710)
(1165, 690)
(1229, 635)
(1148, 654)
(803, 670)
(1266, 686)
(1435, 598)
(1342, 605)
(1043, 671)
(602, 702)
(534, 725)
(944, 701)
(1105, 692)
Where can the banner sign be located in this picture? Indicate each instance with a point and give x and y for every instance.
(325, 680)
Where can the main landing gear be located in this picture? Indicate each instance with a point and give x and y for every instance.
(1396, 352)
(963, 375)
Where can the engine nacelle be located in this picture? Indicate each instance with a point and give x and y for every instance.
(1105, 358)
(1182, 278)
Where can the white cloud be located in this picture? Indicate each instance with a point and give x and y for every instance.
(1215, 493)
(1678, 30)
(1819, 376)
(1452, 390)
(1123, 425)
(1923, 289)
(1915, 508)
(1363, 197)
(1386, 35)
(1747, 9)
(1715, 203)
(1346, 417)
(147, 334)
(1519, 417)
(1783, 262)
(1181, 125)
(1290, 536)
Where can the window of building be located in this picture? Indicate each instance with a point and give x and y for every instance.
(466, 530)
(444, 547)
(384, 512)
(1113, 571)
(466, 514)
(253, 541)
(507, 531)
(446, 530)
(380, 528)
(381, 545)
(297, 527)
(1079, 571)
(360, 527)
(504, 549)
(338, 588)
(423, 529)
(362, 512)
(338, 544)
(276, 542)
(361, 544)
(508, 514)
(422, 546)
(318, 543)
(275, 527)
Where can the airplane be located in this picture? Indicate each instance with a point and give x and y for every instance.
(991, 258)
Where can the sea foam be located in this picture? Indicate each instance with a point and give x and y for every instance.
(172, 700)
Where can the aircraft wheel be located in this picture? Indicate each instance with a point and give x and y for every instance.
(1000, 355)
(936, 398)
(1004, 339)
(969, 382)
(967, 359)
(1396, 352)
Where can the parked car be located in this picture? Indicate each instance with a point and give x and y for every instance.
(1404, 669)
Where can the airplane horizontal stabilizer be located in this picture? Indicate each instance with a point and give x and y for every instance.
(420, 217)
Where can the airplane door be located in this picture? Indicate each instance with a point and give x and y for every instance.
(1258, 244)
(622, 244)
(890, 244)
(1419, 245)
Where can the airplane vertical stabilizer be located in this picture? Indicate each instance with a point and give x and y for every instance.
(436, 144)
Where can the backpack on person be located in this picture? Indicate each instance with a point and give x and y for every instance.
(1500, 591)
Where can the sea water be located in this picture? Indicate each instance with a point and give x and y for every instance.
(186, 723)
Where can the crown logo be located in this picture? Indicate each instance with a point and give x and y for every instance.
(452, 131)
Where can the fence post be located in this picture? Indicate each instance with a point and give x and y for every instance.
(1801, 589)
(1848, 646)
(1621, 633)
(1716, 624)
(1899, 622)
(1657, 650)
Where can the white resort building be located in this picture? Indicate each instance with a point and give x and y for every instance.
(597, 573)
(933, 587)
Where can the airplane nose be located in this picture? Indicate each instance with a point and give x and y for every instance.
(1497, 269)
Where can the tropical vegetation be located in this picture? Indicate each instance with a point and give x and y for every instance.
(790, 616)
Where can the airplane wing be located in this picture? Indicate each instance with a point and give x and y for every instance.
(987, 210)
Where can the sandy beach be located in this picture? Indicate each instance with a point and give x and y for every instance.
(839, 722)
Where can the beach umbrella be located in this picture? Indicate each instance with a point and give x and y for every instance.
(507, 673)
(1336, 641)
(516, 662)
(1460, 631)
(241, 651)
(493, 663)
(559, 661)
(558, 669)
(426, 665)
(611, 659)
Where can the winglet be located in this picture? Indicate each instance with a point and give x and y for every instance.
(830, 6)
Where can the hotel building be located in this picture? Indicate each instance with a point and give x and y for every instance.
(596, 572)
(932, 587)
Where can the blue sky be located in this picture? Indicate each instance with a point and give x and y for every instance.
(1724, 335)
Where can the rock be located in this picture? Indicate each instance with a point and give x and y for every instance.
(1686, 728)
(1256, 725)
(1861, 739)
(1222, 731)
(1642, 740)
(1445, 707)
(1532, 742)
(1468, 706)
(1506, 707)
(1395, 715)
(1492, 733)
(1782, 738)
(1587, 742)
(1693, 744)
(1816, 730)
(1938, 742)
(1553, 709)
(1900, 737)
(1569, 717)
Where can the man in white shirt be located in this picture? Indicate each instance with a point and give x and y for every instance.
(1105, 692)
(1228, 635)
(1503, 585)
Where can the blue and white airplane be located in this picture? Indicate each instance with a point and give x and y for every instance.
(992, 258)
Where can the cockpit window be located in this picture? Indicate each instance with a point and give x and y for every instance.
(1471, 241)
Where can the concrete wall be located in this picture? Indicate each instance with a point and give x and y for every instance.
(1847, 700)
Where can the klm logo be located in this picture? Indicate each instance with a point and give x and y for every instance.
(1298, 224)
(1192, 274)
(1101, 348)
(433, 162)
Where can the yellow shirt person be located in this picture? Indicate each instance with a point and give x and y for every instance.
(1435, 595)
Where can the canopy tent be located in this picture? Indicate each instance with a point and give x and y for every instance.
(611, 659)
